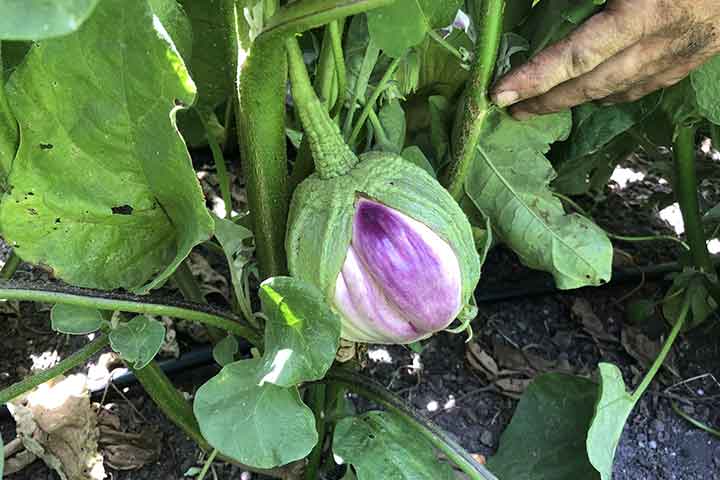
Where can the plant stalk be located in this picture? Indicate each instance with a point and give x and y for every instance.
(316, 401)
(475, 99)
(335, 28)
(686, 191)
(84, 297)
(372, 390)
(660, 359)
(260, 94)
(76, 359)
(219, 159)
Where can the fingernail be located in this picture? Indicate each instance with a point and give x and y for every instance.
(522, 115)
(503, 99)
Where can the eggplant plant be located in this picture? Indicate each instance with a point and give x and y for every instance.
(377, 173)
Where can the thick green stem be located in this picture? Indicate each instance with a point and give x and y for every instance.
(660, 359)
(188, 284)
(332, 156)
(261, 82)
(370, 104)
(316, 402)
(11, 265)
(475, 100)
(430, 431)
(372, 52)
(297, 17)
(75, 360)
(84, 297)
(686, 191)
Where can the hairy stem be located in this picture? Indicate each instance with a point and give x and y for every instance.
(85, 297)
(332, 156)
(260, 94)
(475, 100)
(370, 389)
(76, 359)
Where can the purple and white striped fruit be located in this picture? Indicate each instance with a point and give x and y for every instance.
(391, 250)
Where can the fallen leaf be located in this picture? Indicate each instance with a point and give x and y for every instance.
(127, 450)
(57, 423)
(644, 350)
(582, 310)
(480, 360)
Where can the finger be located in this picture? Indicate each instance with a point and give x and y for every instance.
(602, 36)
(663, 80)
(619, 74)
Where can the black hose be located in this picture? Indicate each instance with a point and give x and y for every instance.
(536, 284)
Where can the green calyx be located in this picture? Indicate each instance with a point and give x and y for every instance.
(322, 210)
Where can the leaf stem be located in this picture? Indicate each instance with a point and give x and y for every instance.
(11, 265)
(85, 297)
(208, 464)
(370, 104)
(694, 422)
(219, 159)
(188, 284)
(335, 29)
(686, 185)
(434, 35)
(476, 103)
(660, 359)
(372, 390)
(316, 401)
(76, 359)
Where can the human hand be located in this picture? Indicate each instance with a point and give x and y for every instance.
(626, 51)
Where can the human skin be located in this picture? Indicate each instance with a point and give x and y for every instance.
(626, 51)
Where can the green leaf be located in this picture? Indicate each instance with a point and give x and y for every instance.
(75, 320)
(38, 19)
(138, 341)
(509, 184)
(706, 83)
(177, 24)
(552, 20)
(138, 209)
(413, 154)
(594, 126)
(702, 305)
(380, 445)
(392, 119)
(611, 412)
(404, 23)
(302, 332)
(225, 350)
(546, 437)
(236, 242)
(262, 426)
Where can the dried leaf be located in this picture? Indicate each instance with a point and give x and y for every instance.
(56, 422)
(645, 350)
(582, 310)
(480, 360)
(127, 450)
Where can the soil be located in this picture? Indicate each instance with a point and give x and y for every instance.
(656, 444)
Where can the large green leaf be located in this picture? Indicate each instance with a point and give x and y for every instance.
(102, 187)
(262, 426)
(380, 445)
(75, 320)
(546, 437)
(552, 20)
(38, 19)
(302, 332)
(9, 137)
(138, 341)
(404, 23)
(611, 412)
(706, 82)
(508, 183)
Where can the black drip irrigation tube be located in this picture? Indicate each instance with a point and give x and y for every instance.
(537, 284)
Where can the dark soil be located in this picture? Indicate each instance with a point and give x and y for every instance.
(656, 445)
